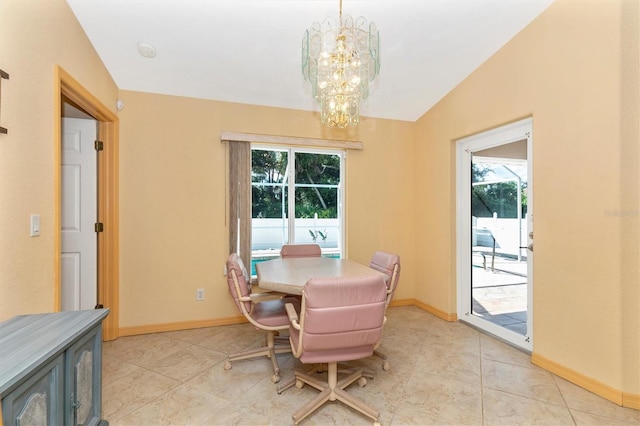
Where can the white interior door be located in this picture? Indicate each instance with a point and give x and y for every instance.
(495, 232)
(79, 213)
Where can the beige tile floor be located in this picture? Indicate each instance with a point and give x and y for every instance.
(441, 374)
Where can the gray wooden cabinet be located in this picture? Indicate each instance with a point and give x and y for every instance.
(51, 369)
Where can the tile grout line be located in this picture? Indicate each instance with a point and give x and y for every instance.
(555, 382)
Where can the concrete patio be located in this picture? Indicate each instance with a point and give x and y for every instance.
(500, 294)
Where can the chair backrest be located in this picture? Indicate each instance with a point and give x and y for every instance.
(389, 264)
(300, 250)
(239, 282)
(341, 318)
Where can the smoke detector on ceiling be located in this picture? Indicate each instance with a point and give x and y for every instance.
(147, 50)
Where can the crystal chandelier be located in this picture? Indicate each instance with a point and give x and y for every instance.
(339, 58)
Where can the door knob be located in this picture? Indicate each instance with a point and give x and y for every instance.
(530, 247)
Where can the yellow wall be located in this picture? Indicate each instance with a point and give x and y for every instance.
(172, 199)
(567, 71)
(629, 175)
(575, 70)
(34, 36)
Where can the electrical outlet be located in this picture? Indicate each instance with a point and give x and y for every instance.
(200, 294)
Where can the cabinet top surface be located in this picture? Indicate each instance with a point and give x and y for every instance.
(27, 341)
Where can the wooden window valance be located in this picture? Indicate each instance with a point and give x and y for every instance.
(289, 140)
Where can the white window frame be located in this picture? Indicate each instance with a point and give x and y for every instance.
(291, 151)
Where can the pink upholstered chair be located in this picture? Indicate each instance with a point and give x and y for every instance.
(341, 319)
(388, 264)
(300, 250)
(262, 310)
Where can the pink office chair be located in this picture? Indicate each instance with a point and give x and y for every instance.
(262, 310)
(388, 264)
(300, 250)
(341, 319)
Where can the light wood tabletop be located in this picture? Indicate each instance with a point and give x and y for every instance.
(290, 275)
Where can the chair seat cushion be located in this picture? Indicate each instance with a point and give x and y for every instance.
(272, 313)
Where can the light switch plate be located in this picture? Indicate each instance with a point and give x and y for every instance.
(35, 225)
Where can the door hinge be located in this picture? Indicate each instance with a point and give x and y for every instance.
(99, 145)
(99, 227)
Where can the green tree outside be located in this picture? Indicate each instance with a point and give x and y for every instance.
(269, 189)
(500, 197)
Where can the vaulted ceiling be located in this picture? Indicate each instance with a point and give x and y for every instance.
(248, 51)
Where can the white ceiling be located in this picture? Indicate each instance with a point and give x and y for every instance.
(248, 51)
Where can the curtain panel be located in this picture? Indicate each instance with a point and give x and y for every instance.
(240, 200)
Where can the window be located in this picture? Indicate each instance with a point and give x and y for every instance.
(297, 198)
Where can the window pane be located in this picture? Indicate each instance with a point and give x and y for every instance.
(268, 166)
(269, 195)
(269, 201)
(316, 199)
(317, 168)
(269, 184)
(317, 217)
(311, 201)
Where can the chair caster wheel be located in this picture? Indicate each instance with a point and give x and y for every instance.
(275, 378)
(299, 384)
(386, 366)
(362, 381)
(227, 365)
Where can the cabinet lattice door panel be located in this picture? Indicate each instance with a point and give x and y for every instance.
(51, 369)
(34, 401)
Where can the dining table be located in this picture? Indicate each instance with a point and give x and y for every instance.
(289, 275)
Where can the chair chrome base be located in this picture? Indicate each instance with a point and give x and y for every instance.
(271, 349)
(319, 368)
(333, 390)
(383, 357)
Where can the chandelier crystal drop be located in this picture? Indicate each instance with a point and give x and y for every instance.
(339, 59)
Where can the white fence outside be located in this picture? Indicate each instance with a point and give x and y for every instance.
(271, 234)
(510, 234)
